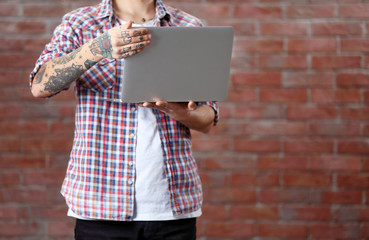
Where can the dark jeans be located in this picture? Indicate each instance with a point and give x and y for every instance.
(183, 229)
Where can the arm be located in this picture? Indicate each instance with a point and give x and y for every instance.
(197, 118)
(58, 74)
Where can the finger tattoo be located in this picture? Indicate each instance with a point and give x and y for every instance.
(127, 40)
(140, 45)
(126, 49)
(141, 38)
(137, 32)
(125, 33)
(125, 55)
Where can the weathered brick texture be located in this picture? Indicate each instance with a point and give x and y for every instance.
(289, 158)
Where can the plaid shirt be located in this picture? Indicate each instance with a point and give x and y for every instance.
(100, 177)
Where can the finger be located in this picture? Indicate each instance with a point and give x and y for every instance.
(192, 105)
(135, 46)
(126, 26)
(161, 103)
(142, 38)
(134, 32)
(131, 53)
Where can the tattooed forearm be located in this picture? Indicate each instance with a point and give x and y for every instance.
(89, 64)
(40, 74)
(66, 58)
(102, 46)
(63, 78)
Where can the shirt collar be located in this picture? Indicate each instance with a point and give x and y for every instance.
(106, 10)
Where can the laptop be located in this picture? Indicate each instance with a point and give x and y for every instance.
(180, 64)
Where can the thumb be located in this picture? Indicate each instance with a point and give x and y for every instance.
(127, 25)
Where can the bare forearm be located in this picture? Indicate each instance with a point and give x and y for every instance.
(58, 74)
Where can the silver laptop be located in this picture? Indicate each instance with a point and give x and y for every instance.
(180, 64)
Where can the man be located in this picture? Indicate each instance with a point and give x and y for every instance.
(131, 173)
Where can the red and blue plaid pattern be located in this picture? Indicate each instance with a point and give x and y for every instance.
(100, 177)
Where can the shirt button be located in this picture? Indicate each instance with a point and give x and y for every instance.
(133, 109)
(130, 164)
(130, 181)
(132, 135)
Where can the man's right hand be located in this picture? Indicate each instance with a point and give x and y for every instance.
(121, 42)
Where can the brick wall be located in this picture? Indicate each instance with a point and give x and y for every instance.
(289, 158)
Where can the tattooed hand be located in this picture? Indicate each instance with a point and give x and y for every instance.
(120, 42)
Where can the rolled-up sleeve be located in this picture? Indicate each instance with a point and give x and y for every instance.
(64, 41)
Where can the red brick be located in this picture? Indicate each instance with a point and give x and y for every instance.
(307, 180)
(335, 96)
(282, 163)
(226, 162)
(335, 163)
(229, 229)
(297, 62)
(18, 59)
(243, 62)
(310, 112)
(355, 45)
(29, 195)
(211, 144)
(257, 11)
(284, 196)
(352, 80)
(22, 161)
(366, 59)
(44, 10)
(9, 9)
(9, 212)
(10, 77)
(44, 177)
(336, 62)
(11, 44)
(310, 11)
(242, 144)
(275, 128)
(354, 10)
(336, 231)
(307, 213)
(232, 195)
(259, 111)
(240, 27)
(355, 113)
(207, 10)
(47, 144)
(257, 79)
(366, 96)
(241, 95)
(253, 179)
(214, 212)
(337, 28)
(30, 228)
(334, 129)
(10, 110)
(215, 179)
(308, 146)
(61, 228)
(255, 45)
(341, 197)
(283, 95)
(284, 28)
(312, 45)
(10, 178)
(22, 27)
(323, 79)
(9, 144)
(355, 180)
(264, 212)
(35, 44)
(282, 230)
